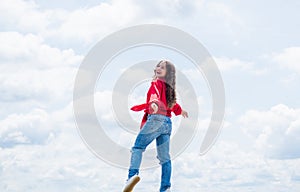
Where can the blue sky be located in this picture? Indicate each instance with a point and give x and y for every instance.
(255, 44)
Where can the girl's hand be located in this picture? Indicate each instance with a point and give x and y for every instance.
(184, 114)
(154, 107)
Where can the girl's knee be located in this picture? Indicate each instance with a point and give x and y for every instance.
(137, 149)
(163, 158)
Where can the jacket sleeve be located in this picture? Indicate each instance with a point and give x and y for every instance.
(177, 109)
(155, 96)
(139, 107)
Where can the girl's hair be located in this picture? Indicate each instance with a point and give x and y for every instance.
(170, 82)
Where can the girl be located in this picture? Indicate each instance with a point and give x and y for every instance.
(156, 124)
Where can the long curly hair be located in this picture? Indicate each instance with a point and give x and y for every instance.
(170, 82)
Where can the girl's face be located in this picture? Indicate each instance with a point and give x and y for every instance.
(160, 70)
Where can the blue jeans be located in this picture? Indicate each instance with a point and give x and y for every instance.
(157, 127)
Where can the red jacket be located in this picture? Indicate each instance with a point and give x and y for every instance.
(157, 94)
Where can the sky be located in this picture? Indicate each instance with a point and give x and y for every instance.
(255, 45)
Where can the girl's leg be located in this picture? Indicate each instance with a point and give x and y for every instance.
(163, 145)
(149, 132)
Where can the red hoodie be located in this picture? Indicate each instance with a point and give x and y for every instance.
(157, 94)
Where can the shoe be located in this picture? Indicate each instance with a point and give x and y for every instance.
(131, 183)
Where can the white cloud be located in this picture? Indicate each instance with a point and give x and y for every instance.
(91, 23)
(80, 25)
(28, 128)
(87, 24)
(275, 132)
(226, 64)
(22, 15)
(31, 51)
(36, 127)
(63, 163)
(34, 71)
(288, 58)
(228, 167)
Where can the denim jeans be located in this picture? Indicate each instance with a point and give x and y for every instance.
(157, 127)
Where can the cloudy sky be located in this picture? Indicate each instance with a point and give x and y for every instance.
(255, 44)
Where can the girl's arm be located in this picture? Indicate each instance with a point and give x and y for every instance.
(179, 111)
(154, 97)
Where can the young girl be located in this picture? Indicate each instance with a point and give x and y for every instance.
(156, 124)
